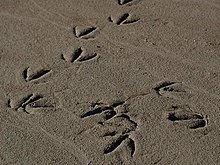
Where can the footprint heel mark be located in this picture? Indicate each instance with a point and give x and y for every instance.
(29, 75)
(123, 2)
(124, 19)
(115, 144)
(84, 31)
(78, 55)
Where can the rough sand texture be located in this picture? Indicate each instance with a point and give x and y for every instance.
(107, 82)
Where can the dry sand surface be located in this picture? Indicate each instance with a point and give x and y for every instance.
(108, 82)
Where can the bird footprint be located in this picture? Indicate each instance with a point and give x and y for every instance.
(31, 75)
(79, 54)
(193, 120)
(124, 19)
(85, 32)
(31, 104)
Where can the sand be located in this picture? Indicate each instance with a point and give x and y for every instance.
(94, 82)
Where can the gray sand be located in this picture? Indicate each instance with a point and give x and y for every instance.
(91, 82)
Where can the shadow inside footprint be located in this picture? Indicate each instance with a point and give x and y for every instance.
(181, 113)
(197, 124)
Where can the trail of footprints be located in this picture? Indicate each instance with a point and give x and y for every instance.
(180, 113)
(116, 124)
(89, 31)
(79, 55)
